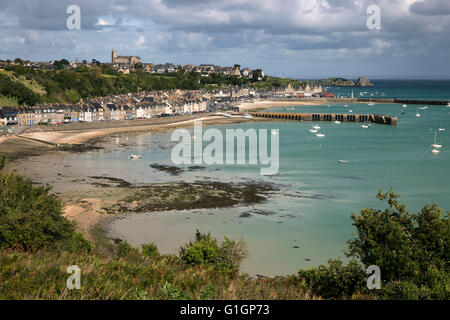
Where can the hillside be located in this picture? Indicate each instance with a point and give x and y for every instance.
(24, 86)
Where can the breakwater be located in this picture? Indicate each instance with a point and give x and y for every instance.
(343, 117)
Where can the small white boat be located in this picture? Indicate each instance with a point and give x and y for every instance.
(247, 116)
(316, 127)
(435, 151)
(135, 156)
(417, 113)
(404, 106)
(320, 135)
(448, 105)
(337, 122)
(289, 108)
(346, 105)
(365, 126)
(435, 144)
(441, 129)
(423, 108)
(343, 161)
(350, 110)
(312, 130)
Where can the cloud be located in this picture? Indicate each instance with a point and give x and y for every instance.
(431, 7)
(278, 35)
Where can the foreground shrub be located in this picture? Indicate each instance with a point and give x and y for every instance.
(205, 250)
(335, 280)
(30, 218)
(150, 250)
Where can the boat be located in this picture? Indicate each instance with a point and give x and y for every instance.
(448, 105)
(436, 145)
(337, 122)
(289, 108)
(365, 126)
(346, 105)
(312, 130)
(423, 108)
(350, 110)
(404, 106)
(320, 135)
(247, 116)
(371, 103)
(435, 151)
(274, 133)
(417, 113)
(135, 156)
(316, 127)
(343, 161)
(441, 129)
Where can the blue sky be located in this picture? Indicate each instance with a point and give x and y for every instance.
(300, 38)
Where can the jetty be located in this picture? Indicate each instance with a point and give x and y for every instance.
(343, 117)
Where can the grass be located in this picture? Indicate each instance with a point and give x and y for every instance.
(42, 275)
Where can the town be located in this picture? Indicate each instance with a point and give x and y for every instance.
(148, 104)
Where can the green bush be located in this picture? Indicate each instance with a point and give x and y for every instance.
(124, 249)
(404, 245)
(335, 280)
(30, 218)
(77, 243)
(206, 250)
(150, 250)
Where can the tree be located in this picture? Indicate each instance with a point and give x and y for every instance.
(406, 247)
(59, 64)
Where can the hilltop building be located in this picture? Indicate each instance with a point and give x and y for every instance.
(124, 60)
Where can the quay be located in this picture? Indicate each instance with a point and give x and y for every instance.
(374, 118)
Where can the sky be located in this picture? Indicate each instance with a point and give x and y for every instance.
(303, 39)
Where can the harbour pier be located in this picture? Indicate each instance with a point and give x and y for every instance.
(343, 117)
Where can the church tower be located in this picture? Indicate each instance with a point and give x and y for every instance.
(113, 56)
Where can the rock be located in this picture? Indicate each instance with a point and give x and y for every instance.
(363, 82)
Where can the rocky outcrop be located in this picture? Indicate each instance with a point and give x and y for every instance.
(363, 82)
(337, 82)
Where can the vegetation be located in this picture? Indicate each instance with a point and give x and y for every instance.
(411, 250)
(27, 86)
(37, 244)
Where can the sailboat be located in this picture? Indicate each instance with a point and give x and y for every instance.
(441, 129)
(320, 135)
(313, 130)
(365, 126)
(417, 113)
(316, 127)
(337, 122)
(404, 106)
(371, 103)
(436, 145)
(423, 108)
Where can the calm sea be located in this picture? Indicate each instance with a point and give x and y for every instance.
(307, 221)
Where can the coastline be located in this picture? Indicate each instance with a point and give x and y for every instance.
(90, 204)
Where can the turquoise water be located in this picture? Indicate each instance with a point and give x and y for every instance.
(307, 220)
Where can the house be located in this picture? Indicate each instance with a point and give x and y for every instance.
(10, 115)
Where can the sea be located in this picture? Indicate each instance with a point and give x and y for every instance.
(307, 220)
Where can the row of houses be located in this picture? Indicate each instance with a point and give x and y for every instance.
(60, 114)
